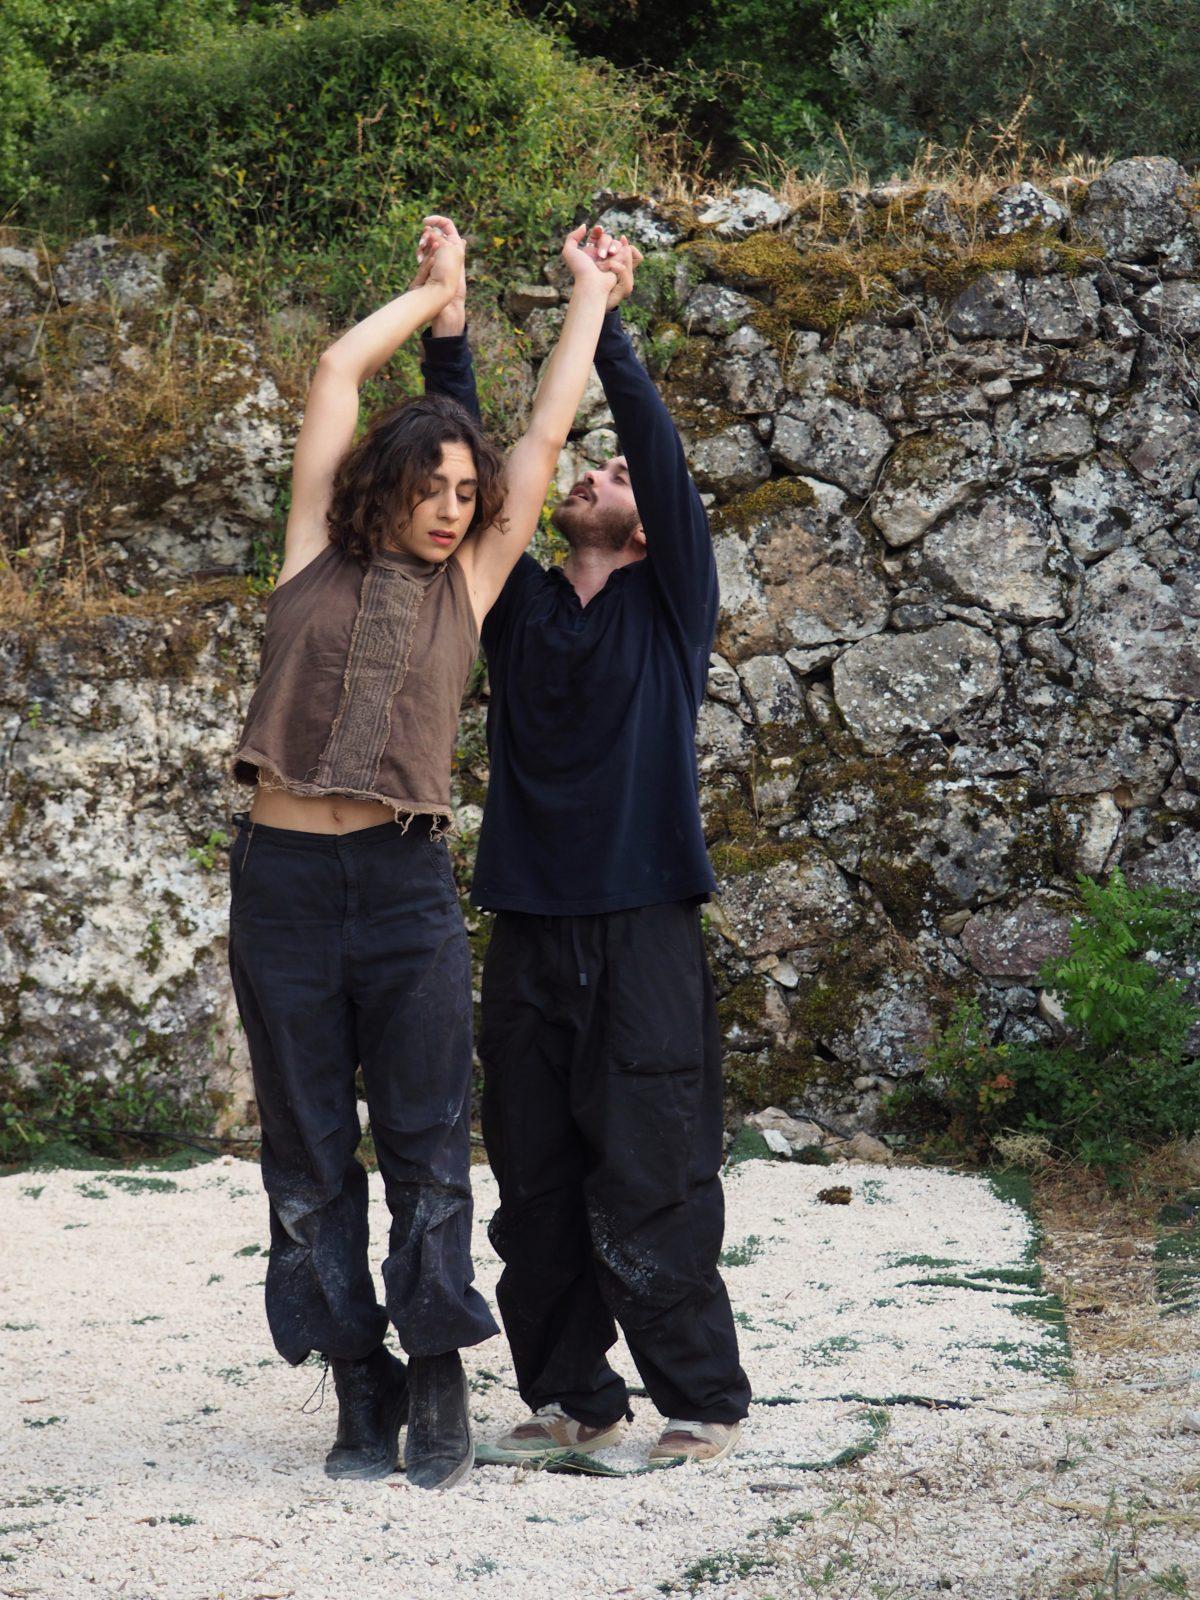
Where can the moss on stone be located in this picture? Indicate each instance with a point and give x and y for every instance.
(743, 1005)
(777, 494)
(900, 794)
(757, 852)
(769, 1077)
(906, 887)
(832, 1000)
(693, 389)
(826, 283)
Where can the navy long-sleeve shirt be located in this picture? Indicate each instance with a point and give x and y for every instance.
(592, 800)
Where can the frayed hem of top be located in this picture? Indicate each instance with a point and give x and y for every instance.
(403, 811)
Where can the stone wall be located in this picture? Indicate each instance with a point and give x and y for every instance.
(952, 457)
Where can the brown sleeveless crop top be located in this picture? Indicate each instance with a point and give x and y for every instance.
(361, 680)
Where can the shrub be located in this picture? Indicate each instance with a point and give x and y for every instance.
(756, 71)
(1120, 1078)
(785, 54)
(51, 51)
(308, 149)
(1097, 77)
(118, 1117)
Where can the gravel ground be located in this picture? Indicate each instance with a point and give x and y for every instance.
(156, 1447)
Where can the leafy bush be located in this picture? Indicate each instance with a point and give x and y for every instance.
(51, 51)
(310, 148)
(118, 1117)
(755, 71)
(1120, 1077)
(1098, 77)
(785, 53)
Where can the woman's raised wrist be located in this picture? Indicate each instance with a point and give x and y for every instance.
(593, 286)
(437, 297)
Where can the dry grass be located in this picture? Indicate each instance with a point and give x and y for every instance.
(969, 174)
(73, 601)
(1099, 1260)
(105, 401)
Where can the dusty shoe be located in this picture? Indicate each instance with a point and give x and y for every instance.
(372, 1404)
(439, 1451)
(702, 1442)
(550, 1432)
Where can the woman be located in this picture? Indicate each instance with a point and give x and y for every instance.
(347, 946)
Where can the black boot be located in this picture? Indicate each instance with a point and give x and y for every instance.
(439, 1451)
(372, 1405)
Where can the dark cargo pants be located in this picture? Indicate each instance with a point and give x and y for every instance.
(602, 1118)
(346, 951)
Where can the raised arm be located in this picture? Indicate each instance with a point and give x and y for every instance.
(446, 363)
(678, 542)
(490, 555)
(331, 410)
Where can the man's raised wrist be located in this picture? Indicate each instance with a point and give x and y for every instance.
(447, 340)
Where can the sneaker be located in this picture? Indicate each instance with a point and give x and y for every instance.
(701, 1442)
(550, 1432)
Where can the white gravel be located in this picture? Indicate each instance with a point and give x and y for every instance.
(156, 1446)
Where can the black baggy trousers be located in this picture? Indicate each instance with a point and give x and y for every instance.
(345, 951)
(602, 1118)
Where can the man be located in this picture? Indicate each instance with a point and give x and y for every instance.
(601, 1052)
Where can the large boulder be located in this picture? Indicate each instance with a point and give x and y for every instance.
(1089, 748)
(1171, 308)
(792, 906)
(1022, 208)
(1003, 554)
(749, 369)
(1099, 507)
(728, 462)
(929, 474)
(105, 271)
(1017, 941)
(114, 821)
(1062, 310)
(893, 686)
(1140, 634)
(993, 307)
(743, 212)
(1174, 865)
(716, 308)
(828, 438)
(795, 573)
(1138, 210)
(1159, 436)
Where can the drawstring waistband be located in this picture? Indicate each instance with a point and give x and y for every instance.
(577, 951)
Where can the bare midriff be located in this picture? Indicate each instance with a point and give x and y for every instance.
(324, 813)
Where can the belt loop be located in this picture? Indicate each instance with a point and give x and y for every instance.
(577, 950)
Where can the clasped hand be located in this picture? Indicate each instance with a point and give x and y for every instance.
(441, 258)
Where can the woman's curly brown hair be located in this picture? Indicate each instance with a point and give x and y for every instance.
(380, 480)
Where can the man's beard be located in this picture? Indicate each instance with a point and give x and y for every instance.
(586, 527)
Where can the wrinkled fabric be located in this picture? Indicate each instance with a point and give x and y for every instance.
(602, 1119)
(361, 680)
(592, 801)
(345, 951)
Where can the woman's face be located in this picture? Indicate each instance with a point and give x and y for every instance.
(441, 516)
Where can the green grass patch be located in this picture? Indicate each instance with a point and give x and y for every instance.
(741, 1255)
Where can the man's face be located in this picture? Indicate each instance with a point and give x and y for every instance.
(600, 512)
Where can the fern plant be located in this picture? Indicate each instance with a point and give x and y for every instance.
(1121, 1077)
(1112, 983)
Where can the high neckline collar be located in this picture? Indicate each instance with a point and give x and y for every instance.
(412, 566)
